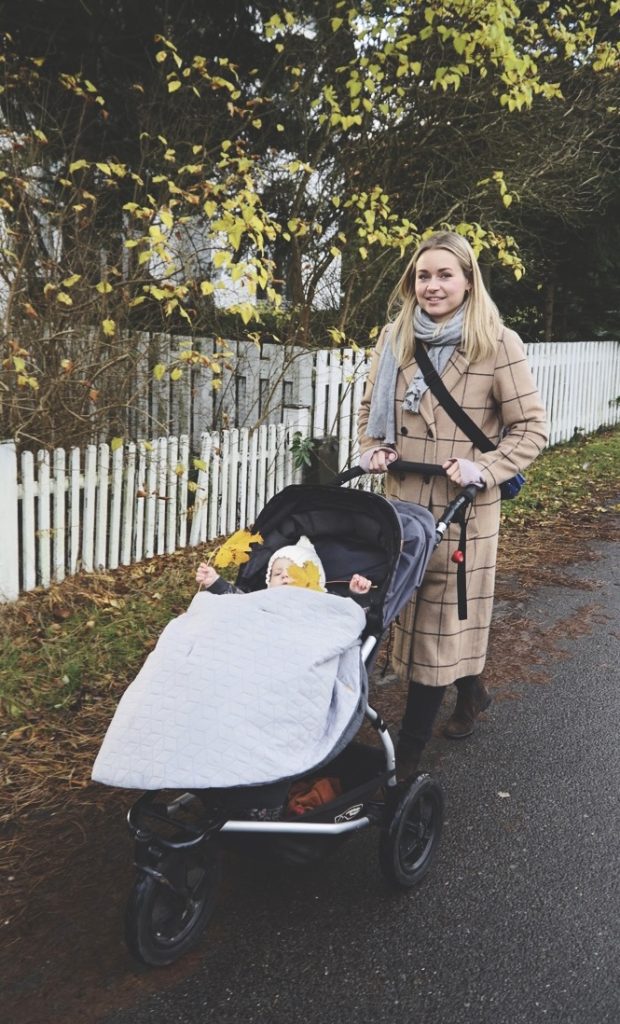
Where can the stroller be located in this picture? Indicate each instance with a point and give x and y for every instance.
(179, 840)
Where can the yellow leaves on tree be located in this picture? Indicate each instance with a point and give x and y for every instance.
(236, 550)
(306, 576)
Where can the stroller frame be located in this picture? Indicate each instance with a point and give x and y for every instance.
(177, 853)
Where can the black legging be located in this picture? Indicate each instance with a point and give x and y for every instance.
(423, 703)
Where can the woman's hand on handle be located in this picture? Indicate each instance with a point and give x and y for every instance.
(463, 472)
(377, 460)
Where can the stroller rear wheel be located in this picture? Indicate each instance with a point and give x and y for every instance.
(411, 836)
(171, 904)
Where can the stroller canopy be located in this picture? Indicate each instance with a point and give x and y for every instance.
(353, 531)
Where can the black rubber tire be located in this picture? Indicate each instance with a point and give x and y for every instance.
(162, 923)
(410, 838)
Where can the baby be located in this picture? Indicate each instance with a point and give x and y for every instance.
(277, 571)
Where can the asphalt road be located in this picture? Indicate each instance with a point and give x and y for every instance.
(519, 919)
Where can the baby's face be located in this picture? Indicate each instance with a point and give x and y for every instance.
(279, 573)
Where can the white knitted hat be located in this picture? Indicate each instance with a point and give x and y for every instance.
(300, 553)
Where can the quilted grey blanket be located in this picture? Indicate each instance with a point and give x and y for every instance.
(240, 690)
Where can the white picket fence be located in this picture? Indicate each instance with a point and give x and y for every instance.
(101, 508)
(62, 513)
(269, 382)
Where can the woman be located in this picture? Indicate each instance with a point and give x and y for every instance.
(443, 302)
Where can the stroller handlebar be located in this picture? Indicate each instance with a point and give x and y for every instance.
(398, 466)
(458, 504)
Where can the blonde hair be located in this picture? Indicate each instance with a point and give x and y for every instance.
(482, 323)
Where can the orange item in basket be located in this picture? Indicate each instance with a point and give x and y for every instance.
(305, 795)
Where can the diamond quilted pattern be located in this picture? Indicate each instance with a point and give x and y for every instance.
(240, 690)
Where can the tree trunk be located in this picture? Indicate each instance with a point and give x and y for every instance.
(548, 310)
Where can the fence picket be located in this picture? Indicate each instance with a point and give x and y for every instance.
(183, 491)
(150, 503)
(214, 494)
(200, 508)
(171, 503)
(9, 517)
(140, 506)
(224, 464)
(280, 455)
(74, 512)
(115, 508)
(261, 458)
(253, 476)
(233, 476)
(102, 496)
(244, 436)
(272, 451)
(59, 504)
(44, 523)
(28, 523)
(129, 504)
(321, 379)
(162, 496)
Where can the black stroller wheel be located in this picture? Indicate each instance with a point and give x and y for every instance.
(411, 836)
(171, 904)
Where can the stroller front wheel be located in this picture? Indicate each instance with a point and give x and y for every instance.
(171, 903)
(410, 838)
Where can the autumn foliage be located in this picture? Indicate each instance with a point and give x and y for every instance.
(273, 183)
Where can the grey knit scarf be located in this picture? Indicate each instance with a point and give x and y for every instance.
(441, 341)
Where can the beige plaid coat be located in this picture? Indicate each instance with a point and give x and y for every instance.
(431, 645)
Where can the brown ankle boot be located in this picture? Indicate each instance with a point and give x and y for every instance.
(472, 699)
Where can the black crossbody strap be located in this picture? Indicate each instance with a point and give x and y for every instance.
(452, 407)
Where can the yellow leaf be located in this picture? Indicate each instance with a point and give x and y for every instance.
(70, 281)
(116, 442)
(166, 218)
(108, 327)
(104, 287)
(306, 576)
(77, 165)
(206, 287)
(64, 298)
(236, 550)
(174, 85)
(176, 373)
(41, 136)
(199, 464)
(104, 167)
(159, 371)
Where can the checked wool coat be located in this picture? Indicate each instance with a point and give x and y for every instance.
(431, 645)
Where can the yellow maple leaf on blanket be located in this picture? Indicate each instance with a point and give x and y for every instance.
(306, 575)
(236, 550)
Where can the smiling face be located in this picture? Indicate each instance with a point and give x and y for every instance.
(440, 283)
(279, 573)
